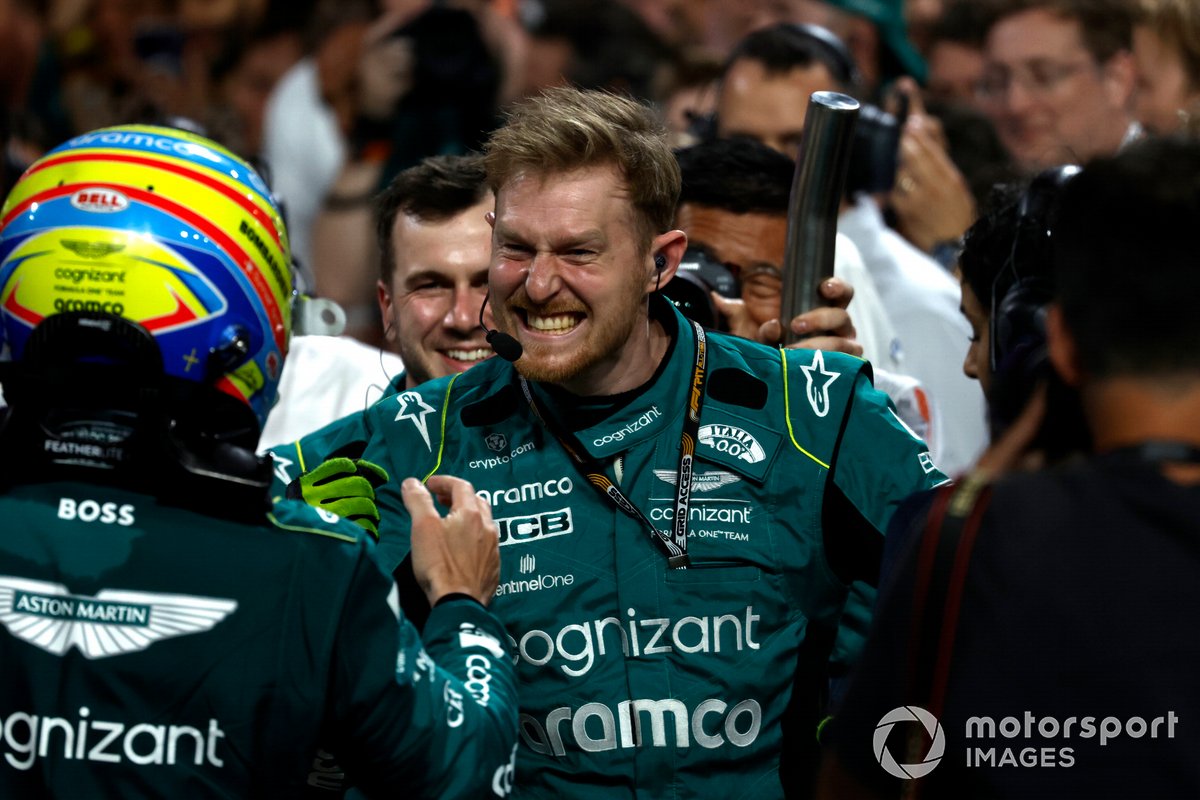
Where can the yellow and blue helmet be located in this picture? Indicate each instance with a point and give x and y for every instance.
(165, 229)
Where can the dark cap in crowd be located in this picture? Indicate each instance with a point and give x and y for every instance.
(899, 56)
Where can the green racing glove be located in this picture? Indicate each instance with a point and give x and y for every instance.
(344, 486)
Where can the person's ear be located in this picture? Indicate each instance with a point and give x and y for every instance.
(1120, 80)
(384, 295)
(1061, 346)
(666, 251)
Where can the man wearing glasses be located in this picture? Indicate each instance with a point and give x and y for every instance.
(1059, 79)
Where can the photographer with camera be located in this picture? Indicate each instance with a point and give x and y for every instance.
(1066, 586)
(764, 95)
(733, 205)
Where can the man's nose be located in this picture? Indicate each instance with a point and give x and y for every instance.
(1019, 99)
(542, 280)
(463, 314)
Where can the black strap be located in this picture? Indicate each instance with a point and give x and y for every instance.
(673, 543)
(944, 557)
(1158, 451)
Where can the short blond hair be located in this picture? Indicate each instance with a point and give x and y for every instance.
(565, 129)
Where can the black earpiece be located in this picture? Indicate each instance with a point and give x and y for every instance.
(505, 346)
(660, 262)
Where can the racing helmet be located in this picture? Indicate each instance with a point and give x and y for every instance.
(165, 229)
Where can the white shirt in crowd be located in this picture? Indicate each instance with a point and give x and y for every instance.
(922, 301)
(325, 378)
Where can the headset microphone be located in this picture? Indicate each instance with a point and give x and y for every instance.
(505, 346)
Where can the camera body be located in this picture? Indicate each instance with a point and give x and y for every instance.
(700, 273)
(875, 152)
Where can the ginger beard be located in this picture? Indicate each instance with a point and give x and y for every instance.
(555, 362)
(569, 278)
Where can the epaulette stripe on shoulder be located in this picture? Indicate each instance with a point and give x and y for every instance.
(787, 410)
(442, 437)
(300, 529)
(300, 457)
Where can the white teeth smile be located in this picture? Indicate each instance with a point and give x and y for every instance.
(556, 323)
(479, 354)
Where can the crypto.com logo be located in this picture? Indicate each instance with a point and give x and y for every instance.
(932, 727)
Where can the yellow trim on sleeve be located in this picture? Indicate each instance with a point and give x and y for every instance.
(787, 411)
(300, 457)
(442, 436)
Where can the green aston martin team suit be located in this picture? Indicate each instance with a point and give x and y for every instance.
(636, 679)
(346, 436)
(150, 651)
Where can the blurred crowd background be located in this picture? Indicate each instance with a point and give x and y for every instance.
(334, 97)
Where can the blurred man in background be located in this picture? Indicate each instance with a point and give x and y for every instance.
(1059, 79)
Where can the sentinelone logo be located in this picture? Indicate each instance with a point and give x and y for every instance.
(1026, 727)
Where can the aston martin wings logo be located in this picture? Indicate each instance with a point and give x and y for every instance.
(92, 249)
(705, 482)
(114, 622)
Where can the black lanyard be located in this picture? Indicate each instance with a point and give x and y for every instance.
(673, 543)
(1157, 451)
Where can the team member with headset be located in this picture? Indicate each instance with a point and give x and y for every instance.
(660, 491)
(1007, 287)
(167, 631)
